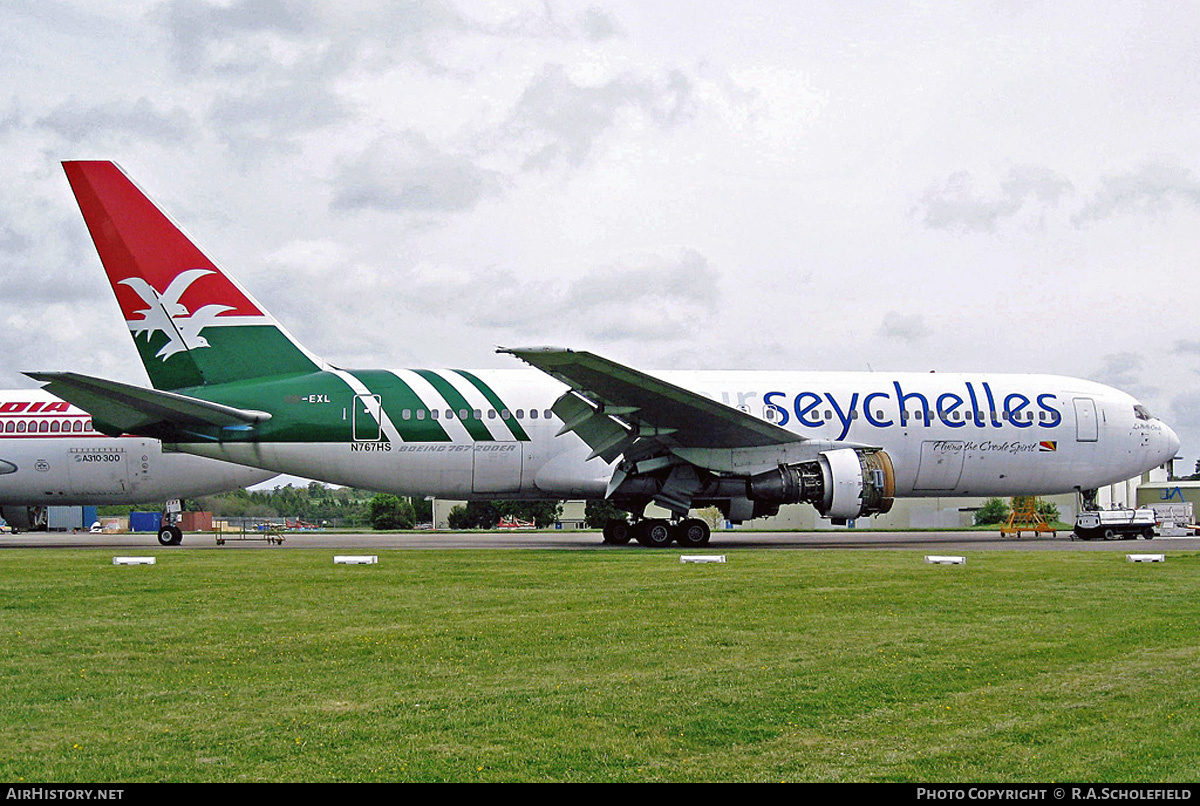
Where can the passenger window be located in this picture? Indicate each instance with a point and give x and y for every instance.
(533, 414)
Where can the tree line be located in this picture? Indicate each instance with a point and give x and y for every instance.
(348, 507)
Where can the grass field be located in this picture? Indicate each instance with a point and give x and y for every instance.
(475, 665)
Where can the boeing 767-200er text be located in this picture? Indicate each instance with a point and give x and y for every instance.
(230, 383)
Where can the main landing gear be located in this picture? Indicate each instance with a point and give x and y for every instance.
(657, 533)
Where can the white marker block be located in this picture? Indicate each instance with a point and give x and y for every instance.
(701, 558)
(133, 561)
(1146, 558)
(368, 559)
(939, 560)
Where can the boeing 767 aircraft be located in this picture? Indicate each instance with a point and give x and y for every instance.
(229, 382)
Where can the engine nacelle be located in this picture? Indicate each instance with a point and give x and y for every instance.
(842, 484)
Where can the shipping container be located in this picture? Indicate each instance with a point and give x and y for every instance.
(145, 521)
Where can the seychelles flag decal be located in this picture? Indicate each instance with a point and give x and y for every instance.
(1048, 447)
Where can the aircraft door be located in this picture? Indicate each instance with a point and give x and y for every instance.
(1086, 428)
(497, 467)
(941, 465)
(366, 418)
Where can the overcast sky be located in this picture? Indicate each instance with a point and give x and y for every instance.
(993, 186)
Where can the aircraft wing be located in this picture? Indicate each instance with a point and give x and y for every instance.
(611, 406)
(138, 410)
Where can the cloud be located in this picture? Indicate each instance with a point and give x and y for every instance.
(251, 36)
(1150, 188)
(956, 204)
(276, 115)
(78, 122)
(562, 119)
(598, 25)
(203, 33)
(648, 298)
(664, 298)
(1184, 415)
(405, 172)
(910, 328)
(1123, 371)
(12, 241)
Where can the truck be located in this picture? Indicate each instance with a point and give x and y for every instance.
(1116, 524)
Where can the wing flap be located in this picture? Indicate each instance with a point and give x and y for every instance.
(650, 406)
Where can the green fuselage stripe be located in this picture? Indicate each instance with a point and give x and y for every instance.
(398, 398)
(478, 431)
(511, 421)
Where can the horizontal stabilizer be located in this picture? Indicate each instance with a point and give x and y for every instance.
(136, 409)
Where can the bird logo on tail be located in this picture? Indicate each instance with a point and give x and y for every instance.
(166, 314)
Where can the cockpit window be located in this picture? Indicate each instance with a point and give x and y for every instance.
(1142, 413)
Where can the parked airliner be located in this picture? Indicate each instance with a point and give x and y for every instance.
(229, 382)
(51, 455)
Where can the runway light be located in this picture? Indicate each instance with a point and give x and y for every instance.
(935, 559)
(1146, 558)
(368, 559)
(133, 561)
(702, 558)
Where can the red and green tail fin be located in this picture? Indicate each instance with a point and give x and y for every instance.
(193, 324)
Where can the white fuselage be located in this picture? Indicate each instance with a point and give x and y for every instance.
(51, 455)
(947, 434)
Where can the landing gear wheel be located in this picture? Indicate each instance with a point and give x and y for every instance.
(617, 532)
(170, 536)
(654, 533)
(692, 533)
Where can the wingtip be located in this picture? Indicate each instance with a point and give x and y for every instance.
(538, 349)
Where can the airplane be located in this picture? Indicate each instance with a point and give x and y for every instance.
(51, 454)
(230, 383)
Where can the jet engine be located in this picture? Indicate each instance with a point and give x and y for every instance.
(841, 484)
